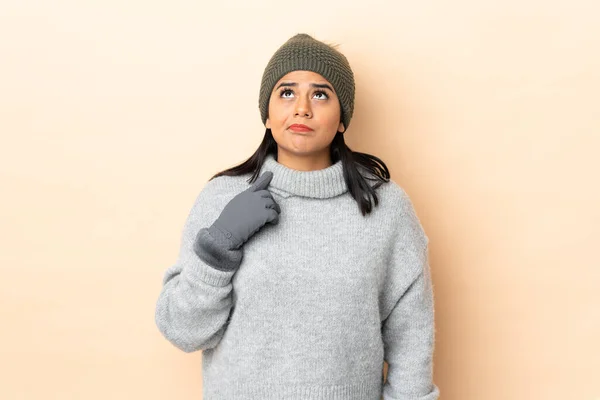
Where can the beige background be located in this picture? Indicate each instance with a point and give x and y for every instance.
(114, 114)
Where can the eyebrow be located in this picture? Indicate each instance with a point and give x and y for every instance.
(314, 85)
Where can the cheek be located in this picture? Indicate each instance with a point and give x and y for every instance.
(277, 114)
(330, 118)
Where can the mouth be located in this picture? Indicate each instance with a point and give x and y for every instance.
(300, 128)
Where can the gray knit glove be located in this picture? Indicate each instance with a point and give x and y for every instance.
(219, 245)
(247, 212)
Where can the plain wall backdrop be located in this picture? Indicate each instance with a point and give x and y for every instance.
(113, 115)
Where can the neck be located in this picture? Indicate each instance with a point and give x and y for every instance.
(320, 183)
(304, 163)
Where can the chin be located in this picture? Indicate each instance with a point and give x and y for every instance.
(303, 152)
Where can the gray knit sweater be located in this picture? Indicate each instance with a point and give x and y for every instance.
(318, 302)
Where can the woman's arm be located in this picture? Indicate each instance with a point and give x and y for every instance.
(408, 331)
(409, 338)
(195, 301)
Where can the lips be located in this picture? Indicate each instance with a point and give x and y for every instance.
(300, 128)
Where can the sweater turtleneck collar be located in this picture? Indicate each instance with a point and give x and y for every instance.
(321, 184)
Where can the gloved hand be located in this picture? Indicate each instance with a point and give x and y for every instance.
(248, 211)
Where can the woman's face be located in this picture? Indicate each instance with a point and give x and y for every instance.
(304, 98)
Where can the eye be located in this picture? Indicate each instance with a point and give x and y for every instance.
(283, 93)
(325, 97)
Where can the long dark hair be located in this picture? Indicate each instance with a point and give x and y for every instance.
(357, 184)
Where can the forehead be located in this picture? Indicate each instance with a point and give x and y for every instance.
(303, 77)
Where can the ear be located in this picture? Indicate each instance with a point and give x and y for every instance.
(268, 124)
(341, 127)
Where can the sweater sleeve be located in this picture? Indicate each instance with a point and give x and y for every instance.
(408, 332)
(195, 301)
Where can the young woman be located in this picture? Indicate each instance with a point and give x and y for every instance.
(304, 268)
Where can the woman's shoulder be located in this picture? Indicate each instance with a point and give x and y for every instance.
(388, 191)
(395, 191)
(221, 188)
(397, 204)
(386, 188)
(214, 194)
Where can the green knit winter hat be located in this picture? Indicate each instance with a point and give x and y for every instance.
(302, 52)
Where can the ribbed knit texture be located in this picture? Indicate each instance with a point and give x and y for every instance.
(303, 52)
(320, 184)
(318, 301)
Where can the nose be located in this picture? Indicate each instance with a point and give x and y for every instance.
(303, 108)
